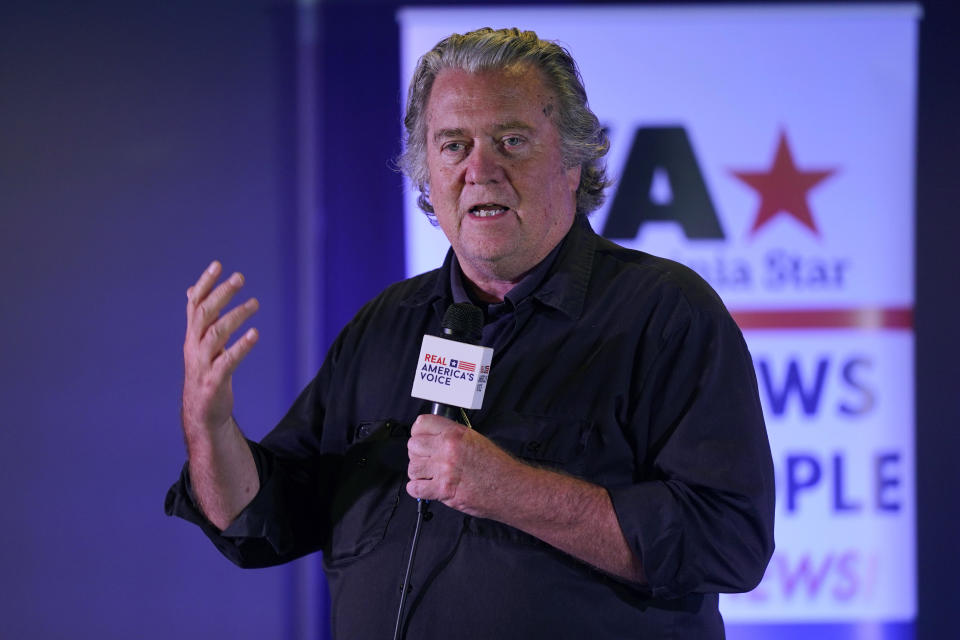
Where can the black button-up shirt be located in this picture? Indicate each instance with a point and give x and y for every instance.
(618, 367)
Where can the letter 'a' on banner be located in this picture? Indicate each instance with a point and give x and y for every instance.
(772, 150)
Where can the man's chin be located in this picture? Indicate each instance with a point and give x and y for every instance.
(497, 265)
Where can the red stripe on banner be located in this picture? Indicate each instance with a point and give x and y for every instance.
(867, 318)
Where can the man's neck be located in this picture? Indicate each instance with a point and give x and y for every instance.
(494, 289)
(490, 291)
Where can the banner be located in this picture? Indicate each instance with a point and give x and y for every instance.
(772, 150)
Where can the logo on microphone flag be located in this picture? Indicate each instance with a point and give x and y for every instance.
(462, 365)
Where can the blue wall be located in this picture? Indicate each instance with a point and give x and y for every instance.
(139, 140)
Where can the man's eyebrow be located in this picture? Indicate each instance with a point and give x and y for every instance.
(443, 134)
(512, 125)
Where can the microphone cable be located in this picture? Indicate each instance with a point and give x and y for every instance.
(405, 586)
(421, 510)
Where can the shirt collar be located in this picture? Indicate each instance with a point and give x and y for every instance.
(561, 283)
(526, 286)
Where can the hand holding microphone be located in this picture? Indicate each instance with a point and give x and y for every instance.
(456, 466)
(448, 461)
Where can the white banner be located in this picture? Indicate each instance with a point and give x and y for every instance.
(771, 149)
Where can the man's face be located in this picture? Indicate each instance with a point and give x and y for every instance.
(498, 185)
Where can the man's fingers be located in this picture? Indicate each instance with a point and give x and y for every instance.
(209, 308)
(419, 489)
(204, 283)
(425, 490)
(419, 471)
(202, 312)
(430, 425)
(220, 331)
(422, 446)
(228, 360)
(432, 489)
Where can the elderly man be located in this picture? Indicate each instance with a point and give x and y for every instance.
(618, 475)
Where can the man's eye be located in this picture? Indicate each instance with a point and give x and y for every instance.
(453, 147)
(512, 141)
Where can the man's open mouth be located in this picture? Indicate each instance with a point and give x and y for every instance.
(487, 210)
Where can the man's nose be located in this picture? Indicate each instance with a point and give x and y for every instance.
(483, 165)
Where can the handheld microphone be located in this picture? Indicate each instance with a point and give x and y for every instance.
(452, 371)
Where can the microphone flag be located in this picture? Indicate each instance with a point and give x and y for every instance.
(451, 372)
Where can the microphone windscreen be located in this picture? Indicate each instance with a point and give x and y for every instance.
(463, 322)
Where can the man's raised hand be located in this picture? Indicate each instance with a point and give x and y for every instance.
(209, 362)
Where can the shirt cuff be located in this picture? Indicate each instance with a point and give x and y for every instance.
(648, 519)
(254, 524)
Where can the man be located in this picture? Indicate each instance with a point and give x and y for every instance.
(618, 475)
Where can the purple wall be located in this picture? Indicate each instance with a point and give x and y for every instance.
(139, 140)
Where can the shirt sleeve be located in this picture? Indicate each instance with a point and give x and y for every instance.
(267, 532)
(701, 516)
(290, 515)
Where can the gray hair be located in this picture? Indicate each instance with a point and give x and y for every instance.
(582, 140)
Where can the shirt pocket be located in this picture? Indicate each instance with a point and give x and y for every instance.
(548, 441)
(373, 473)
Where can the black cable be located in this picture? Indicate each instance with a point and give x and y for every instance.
(421, 508)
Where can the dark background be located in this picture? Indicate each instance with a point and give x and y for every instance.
(138, 141)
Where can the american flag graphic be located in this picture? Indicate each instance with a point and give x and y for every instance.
(466, 366)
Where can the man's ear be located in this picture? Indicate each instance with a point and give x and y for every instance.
(573, 177)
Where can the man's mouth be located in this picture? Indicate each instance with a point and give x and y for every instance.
(488, 210)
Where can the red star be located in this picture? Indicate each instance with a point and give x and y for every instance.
(783, 189)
